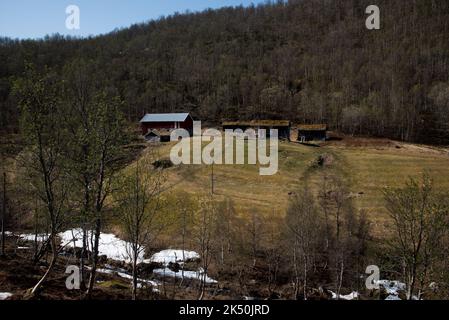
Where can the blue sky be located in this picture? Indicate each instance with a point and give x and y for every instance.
(37, 18)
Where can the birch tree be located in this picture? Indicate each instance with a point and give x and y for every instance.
(139, 204)
(204, 224)
(304, 229)
(419, 217)
(107, 139)
(186, 209)
(81, 123)
(41, 124)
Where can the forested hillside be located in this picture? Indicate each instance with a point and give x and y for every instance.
(308, 61)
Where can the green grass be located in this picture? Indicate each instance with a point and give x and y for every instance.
(373, 170)
(366, 170)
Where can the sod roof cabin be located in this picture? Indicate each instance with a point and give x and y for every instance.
(310, 132)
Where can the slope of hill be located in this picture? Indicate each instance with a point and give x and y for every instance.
(366, 166)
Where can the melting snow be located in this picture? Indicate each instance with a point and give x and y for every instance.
(172, 256)
(353, 295)
(5, 295)
(122, 274)
(31, 236)
(109, 245)
(198, 275)
(165, 257)
(391, 287)
(117, 249)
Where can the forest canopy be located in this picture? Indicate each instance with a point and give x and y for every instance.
(309, 61)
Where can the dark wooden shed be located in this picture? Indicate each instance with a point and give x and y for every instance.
(310, 132)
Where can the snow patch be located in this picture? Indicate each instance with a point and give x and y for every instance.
(116, 249)
(197, 275)
(122, 274)
(353, 295)
(168, 256)
(31, 237)
(391, 287)
(5, 295)
(109, 245)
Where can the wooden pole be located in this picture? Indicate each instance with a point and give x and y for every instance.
(212, 179)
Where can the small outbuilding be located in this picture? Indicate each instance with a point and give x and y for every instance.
(154, 135)
(311, 132)
(166, 121)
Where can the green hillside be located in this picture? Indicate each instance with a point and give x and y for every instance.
(365, 165)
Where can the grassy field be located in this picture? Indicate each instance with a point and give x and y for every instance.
(366, 165)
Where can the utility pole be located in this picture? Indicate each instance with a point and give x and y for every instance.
(3, 214)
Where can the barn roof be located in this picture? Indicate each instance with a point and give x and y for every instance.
(312, 127)
(255, 123)
(165, 117)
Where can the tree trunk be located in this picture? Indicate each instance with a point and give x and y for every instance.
(202, 286)
(54, 257)
(411, 286)
(295, 266)
(36, 230)
(305, 277)
(85, 246)
(340, 279)
(183, 260)
(135, 256)
(82, 263)
(94, 258)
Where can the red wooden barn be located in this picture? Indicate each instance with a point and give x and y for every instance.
(166, 121)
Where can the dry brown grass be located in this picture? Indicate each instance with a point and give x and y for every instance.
(367, 165)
